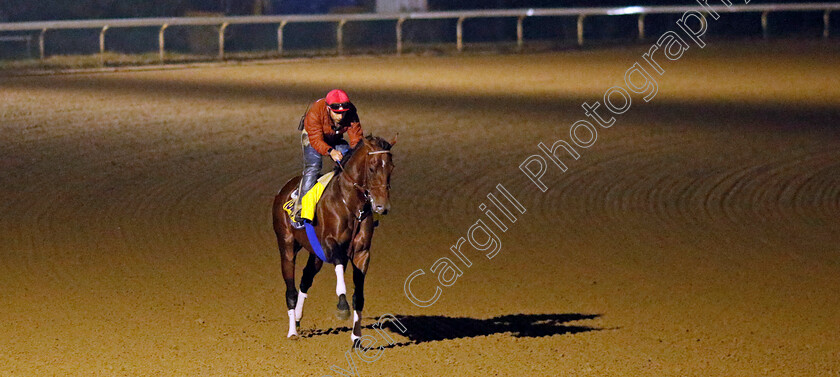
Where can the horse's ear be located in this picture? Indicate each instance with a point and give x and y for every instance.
(394, 140)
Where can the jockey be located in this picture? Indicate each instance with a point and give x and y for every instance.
(322, 128)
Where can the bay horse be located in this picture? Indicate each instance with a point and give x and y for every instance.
(344, 225)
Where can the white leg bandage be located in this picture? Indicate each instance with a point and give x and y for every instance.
(292, 326)
(299, 306)
(357, 326)
(340, 289)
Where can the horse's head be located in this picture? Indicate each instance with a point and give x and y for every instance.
(377, 170)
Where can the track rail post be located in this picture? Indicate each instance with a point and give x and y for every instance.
(222, 29)
(41, 44)
(827, 23)
(580, 29)
(400, 22)
(641, 26)
(459, 33)
(520, 33)
(764, 24)
(102, 44)
(339, 37)
(280, 36)
(162, 43)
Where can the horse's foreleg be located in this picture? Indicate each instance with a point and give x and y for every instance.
(288, 265)
(358, 302)
(341, 291)
(360, 258)
(313, 265)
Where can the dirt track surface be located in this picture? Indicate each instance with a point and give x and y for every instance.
(698, 236)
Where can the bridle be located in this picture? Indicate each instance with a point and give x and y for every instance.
(364, 190)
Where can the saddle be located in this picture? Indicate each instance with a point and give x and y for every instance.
(310, 199)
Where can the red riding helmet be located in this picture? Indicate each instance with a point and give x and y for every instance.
(338, 100)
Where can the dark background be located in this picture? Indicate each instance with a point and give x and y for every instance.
(363, 37)
(32, 10)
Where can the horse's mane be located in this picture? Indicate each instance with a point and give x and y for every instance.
(379, 142)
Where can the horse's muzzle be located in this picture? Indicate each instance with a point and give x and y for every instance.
(380, 209)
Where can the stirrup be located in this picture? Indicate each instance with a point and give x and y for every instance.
(296, 221)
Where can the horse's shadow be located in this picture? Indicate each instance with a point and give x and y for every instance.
(421, 328)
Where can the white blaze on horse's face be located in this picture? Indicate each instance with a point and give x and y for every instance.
(379, 180)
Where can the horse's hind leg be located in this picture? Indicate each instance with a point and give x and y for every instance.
(288, 252)
(313, 265)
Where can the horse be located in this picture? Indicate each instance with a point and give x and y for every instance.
(344, 224)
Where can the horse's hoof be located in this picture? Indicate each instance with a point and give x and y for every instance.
(343, 309)
(357, 343)
(294, 336)
(297, 323)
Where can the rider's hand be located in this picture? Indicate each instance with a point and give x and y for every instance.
(336, 155)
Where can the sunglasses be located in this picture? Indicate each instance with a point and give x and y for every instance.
(339, 107)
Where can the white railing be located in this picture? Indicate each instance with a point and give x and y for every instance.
(341, 19)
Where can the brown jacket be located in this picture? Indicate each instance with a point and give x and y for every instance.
(319, 127)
